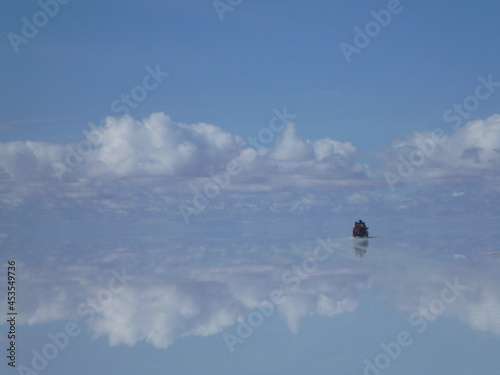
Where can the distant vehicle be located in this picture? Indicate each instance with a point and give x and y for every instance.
(360, 229)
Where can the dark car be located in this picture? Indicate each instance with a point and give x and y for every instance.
(360, 229)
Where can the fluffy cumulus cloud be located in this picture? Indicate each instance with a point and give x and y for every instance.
(158, 146)
(28, 160)
(468, 156)
(168, 152)
(159, 166)
(291, 147)
(171, 160)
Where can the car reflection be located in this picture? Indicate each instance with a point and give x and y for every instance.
(360, 246)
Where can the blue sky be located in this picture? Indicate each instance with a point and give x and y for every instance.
(232, 73)
(207, 154)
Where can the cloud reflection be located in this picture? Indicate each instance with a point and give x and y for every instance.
(170, 297)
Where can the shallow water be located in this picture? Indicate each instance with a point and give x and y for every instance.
(260, 301)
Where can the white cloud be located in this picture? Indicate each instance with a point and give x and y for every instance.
(160, 148)
(327, 147)
(470, 155)
(290, 147)
(155, 164)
